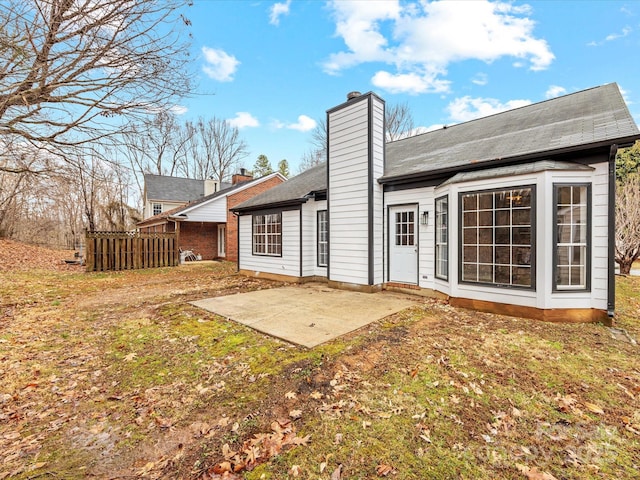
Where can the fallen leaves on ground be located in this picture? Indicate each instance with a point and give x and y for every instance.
(261, 448)
(15, 256)
(532, 473)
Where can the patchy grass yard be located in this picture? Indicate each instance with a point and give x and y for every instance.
(115, 375)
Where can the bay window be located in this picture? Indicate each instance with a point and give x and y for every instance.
(497, 237)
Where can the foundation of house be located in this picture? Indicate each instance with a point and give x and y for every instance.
(558, 315)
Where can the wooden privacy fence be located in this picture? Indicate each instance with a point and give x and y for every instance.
(130, 250)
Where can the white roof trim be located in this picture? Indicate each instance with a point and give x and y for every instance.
(234, 191)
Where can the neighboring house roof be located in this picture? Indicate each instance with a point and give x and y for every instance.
(158, 219)
(172, 189)
(184, 209)
(587, 119)
(294, 191)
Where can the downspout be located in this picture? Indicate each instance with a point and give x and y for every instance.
(235, 214)
(611, 285)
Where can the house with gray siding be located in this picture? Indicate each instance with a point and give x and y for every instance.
(511, 213)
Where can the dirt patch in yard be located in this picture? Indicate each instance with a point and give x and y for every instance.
(116, 375)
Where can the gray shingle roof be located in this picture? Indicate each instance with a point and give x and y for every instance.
(510, 170)
(294, 189)
(587, 117)
(160, 187)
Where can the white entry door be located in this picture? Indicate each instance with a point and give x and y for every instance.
(403, 244)
(222, 240)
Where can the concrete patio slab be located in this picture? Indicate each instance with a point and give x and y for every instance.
(308, 314)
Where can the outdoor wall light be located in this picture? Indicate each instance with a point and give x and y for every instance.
(424, 218)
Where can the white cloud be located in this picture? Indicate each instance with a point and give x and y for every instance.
(179, 109)
(626, 11)
(625, 95)
(467, 108)
(219, 64)
(412, 83)
(611, 37)
(304, 124)
(614, 36)
(418, 38)
(480, 79)
(555, 91)
(243, 120)
(277, 10)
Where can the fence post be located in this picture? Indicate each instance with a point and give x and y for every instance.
(89, 252)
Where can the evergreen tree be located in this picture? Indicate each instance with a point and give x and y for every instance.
(283, 168)
(262, 167)
(627, 161)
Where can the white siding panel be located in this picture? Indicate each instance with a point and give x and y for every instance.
(310, 239)
(599, 250)
(213, 211)
(378, 196)
(289, 263)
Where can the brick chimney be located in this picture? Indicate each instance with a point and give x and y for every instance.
(241, 176)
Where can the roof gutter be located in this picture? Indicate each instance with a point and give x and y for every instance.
(443, 172)
(281, 204)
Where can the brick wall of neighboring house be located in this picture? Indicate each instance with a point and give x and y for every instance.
(232, 221)
(201, 238)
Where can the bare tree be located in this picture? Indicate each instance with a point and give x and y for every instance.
(317, 153)
(221, 147)
(398, 122)
(19, 168)
(319, 137)
(311, 158)
(70, 70)
(628, 222)
(156, 145)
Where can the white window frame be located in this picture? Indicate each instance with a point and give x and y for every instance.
(578, 225)
(442, 237)
(322, 253)
(267, 234)
(156, 209)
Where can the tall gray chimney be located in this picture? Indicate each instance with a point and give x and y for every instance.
(355, 161)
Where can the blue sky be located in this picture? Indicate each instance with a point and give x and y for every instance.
(273, 68)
